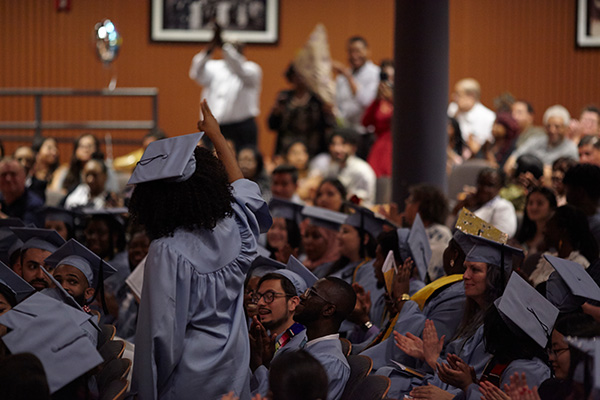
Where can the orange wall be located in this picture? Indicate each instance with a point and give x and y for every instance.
(525, 47)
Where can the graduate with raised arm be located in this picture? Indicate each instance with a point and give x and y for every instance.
(203, 219)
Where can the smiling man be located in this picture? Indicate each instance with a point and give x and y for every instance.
(37, 245)
(322, 309)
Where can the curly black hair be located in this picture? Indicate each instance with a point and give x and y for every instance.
(197, 203)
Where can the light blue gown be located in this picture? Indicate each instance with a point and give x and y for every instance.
(192, 339)
(260, 378)
(329, 353)
(535, 370)
(445, 310)
(472, 351)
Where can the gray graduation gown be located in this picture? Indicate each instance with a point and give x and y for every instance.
(192, 338)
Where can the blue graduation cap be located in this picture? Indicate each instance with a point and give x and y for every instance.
(493, 253)
(324, 218)
(524, 307)
(15, 283)
(262, 251)
(298, 274)
(9, 243)
(58, 342)
(418, 242)
(367, 220)
(281, 208)
(42, 303)
(295, 271)
(168, 159)
(570, 286)
(78, 256)
(35, 238)
(59, 214)
(463, 240)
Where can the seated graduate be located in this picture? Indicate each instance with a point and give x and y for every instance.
(261, 266)
(61, 220)
(274, 331)
(284, 238)
(104, 234)
(38, 244)
(442, 302)
(568, 236)
(79, 271)
(319, 238)
(487, 266)
(30, 303)
(357, 243)
(413, 252)
(322, 309)
(204, 220)
(516, 332)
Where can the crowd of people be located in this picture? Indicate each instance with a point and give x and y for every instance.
(231, 275)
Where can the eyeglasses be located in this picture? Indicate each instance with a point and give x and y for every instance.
(556, 352)
(268, 297)
(311, 291)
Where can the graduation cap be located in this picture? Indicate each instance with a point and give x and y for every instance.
(298, 274)
(389, 268)
(524, 307)
(493, 253)
(295, 271)
(262, 251)
(78, 256)
(570, 286)
(324, 218)
(15, 283)
(170, 159)
(471, 224)
(463, 240)
(42, 303)
(59, 214)
(58, 342)
(36, 238)
(418, 243)
(366, 220)
(9, 243)
(281, 208)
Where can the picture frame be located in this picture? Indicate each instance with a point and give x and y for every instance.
(247, 21)
(588, 23)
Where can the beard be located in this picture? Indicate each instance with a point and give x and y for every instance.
(274, 324)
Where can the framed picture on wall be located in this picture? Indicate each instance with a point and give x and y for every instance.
(588, 23)
(248, 21)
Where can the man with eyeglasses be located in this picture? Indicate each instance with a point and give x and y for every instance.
(276, 300)
(322, 309)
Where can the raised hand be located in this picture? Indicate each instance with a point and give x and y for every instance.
(432, 346)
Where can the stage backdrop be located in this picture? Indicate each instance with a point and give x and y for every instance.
(525, 47)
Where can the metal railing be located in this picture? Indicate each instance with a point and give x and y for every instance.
(38, 125)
